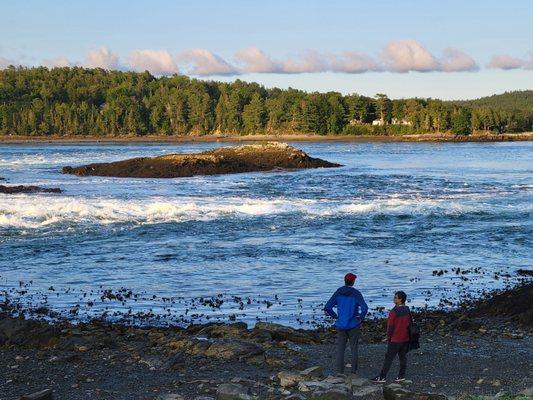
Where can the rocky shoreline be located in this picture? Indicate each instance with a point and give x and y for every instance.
(295, 137)
(226, 160)
(483, 347)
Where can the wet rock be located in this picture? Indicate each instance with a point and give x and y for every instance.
(45, 394)
(234, 349)
(27, 189)
(403, 394)
(281, 333)
(233, 391)
(226, 160)
(21, 332)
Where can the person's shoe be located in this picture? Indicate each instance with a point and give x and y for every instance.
(378, 379)
(399, 379)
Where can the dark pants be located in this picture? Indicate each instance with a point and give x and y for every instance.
(393, 349)
(342, 337)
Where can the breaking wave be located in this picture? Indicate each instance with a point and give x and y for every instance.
(28, 211)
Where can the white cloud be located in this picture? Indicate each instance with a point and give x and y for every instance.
(454, 60)
(354, 63)
(102, 57)
(256, 61)
(158, 62)
(203, 62)
(307, 62)
(508, 62)
(408, 55)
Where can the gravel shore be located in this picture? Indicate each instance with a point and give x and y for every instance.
(474, 350)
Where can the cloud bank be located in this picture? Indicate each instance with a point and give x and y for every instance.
(400, 56)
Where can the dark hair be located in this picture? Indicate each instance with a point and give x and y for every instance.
(401, 295)
(348, 282)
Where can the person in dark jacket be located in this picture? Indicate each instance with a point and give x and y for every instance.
(351, 311)
(398, 323)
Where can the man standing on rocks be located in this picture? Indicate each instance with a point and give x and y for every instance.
(398, 323)
(351, 311)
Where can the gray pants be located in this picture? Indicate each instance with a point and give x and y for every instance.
(342, 337)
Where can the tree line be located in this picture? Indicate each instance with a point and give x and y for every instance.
(78, 101)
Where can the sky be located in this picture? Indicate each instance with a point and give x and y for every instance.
(447, 49)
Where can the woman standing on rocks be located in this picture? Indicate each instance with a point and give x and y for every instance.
(398, 323)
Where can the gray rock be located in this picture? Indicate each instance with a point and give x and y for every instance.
(367, 392)
(335, 379)
(289, 379)
(45, 394)
(233, 391)
(314, 372)
(358, 382)
(527, 392)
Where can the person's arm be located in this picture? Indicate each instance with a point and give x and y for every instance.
(390, 324)
(328, 308)
(363, 308)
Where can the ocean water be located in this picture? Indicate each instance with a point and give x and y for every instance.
(263, 246)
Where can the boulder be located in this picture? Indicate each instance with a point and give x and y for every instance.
(281, 333)
(395, 393)
(289, 379)
(234, 349)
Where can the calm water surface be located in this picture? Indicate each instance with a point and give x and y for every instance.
(270, 245)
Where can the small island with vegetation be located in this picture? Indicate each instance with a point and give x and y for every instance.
(80, 103)
(225, 160)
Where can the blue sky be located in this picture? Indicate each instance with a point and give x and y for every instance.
(446, 48)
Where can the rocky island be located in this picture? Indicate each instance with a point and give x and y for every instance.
(226, 160)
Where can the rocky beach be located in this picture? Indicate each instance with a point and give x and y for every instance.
(464, 352)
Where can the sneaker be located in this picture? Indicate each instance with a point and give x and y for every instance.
(399, 379)
(378, 379)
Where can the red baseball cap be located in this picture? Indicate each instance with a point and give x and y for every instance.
(349, 277)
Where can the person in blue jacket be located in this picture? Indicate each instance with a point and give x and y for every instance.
(351, 311)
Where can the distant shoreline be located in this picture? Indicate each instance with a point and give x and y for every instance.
(507, 137)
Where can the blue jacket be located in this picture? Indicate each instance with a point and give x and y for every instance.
(351, 307)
